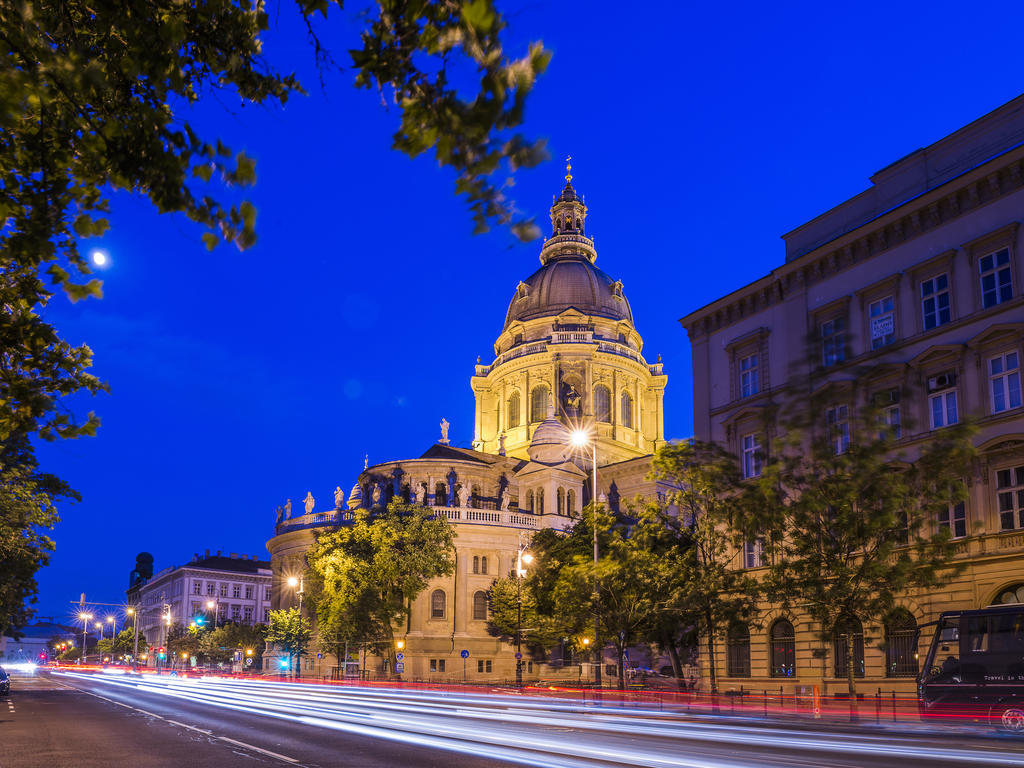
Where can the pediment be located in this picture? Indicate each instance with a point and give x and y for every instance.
(996, 333)
(937, 353)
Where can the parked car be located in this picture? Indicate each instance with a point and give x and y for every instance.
(5, 682)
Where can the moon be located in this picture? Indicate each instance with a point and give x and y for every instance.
(99, 258)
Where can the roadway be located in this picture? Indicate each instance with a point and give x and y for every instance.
(101, 720)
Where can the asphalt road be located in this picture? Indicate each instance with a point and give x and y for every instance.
(102, 720)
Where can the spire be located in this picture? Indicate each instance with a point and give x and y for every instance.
(568, 169)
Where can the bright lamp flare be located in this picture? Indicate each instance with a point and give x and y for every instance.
(527, 558)
(579, 438)
(293, 582)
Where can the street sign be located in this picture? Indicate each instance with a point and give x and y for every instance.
(400, 656)
(464, 653)
(248, 662)
(400, 667)
(319, 655)
(519, 656)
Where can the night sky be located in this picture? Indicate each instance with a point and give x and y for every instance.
(699, 135)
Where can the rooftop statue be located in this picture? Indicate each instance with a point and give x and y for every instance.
(309, 502)
(444, 431)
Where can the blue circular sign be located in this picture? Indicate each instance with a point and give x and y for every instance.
(519, 656)
(464, 653)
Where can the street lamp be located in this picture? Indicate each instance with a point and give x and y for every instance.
(299, 583)
(113, 626)
(580, 439)
(85, 626)
(521, 557)
(213, 606)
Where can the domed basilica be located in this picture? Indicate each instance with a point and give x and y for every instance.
(568, 357)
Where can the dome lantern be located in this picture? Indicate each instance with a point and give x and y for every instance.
(568, 225)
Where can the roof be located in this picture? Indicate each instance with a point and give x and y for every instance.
(451, 452)
(568, 282)
(232, 564)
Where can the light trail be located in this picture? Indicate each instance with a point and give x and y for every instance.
(520, 728)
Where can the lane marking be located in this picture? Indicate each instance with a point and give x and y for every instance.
(244, 745)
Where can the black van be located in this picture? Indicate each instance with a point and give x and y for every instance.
(975, 668)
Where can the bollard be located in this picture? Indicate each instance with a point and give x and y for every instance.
(878, 706)
(894, 706)
(764, 699)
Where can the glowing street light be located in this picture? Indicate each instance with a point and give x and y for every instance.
(85, 626)
(521, 557)
(580, 438)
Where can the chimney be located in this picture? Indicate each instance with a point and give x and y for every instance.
(218, 553)
(234, 555)
(207, 553)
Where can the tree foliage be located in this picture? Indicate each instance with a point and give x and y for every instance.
(95, 97)
(366, 574)
(703, 534)
(539, 632)
(289, 630)
(220, 644)
(850, 524)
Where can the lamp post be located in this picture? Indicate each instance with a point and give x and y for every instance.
(579, 439)
(85, 627)
(213, 606)
(521, 557)
(134, 613)
(300, 584)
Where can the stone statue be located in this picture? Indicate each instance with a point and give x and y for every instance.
(414, 492)
(571, 401)
(444, 431)
(376, 495)
(460, 497)
(501, 444)
(280, 514)
(339, 498)
(288, 510)
(310, 501)
(503, 499)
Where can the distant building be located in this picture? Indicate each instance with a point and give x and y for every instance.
(236, 586)
(35, 639)
(919, 279)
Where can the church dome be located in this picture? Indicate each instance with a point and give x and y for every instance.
(564, 282)
(550, 443)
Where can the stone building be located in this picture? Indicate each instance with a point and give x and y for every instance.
(567, 357)
(237, 586)
(919, 279)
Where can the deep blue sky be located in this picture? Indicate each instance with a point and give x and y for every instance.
(699, 135)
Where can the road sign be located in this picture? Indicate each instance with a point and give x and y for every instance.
(519, 656)
(319, 655)
(248, 662)
(400, 656)
(400, 667)
(464, 653)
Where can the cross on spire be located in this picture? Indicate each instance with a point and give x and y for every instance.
(568, 168)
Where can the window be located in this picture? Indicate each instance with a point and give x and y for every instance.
(954, 519)
(737, 651)
(437, 604)
(440, 495)
(845, 628)
(540, 502)
(1010, 493)
(236, 613)
(560, 501)
(882, 316)
(223, 590)
(211, 588)
(838, 421)
(197, 587)
(480, 606)
(753, 552)
(483, 665)
(476, 564)
(247, 611)
(248, 592)
(833, 341)
(783, 649)
(538, 404)
(602, 404)
(529, 501)
(570, 502)
(1004, 375)
(901, 645)
(195, 608)
(942, 408)
(751, 456)
(513, 410)
(996, 286)
(627, 410)
(266, 615)
(437, 665)
(935, 301)
(483, 564)
(748, 376)
(266, 594)
(236, 590)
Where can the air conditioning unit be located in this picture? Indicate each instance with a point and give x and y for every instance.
(942, 381)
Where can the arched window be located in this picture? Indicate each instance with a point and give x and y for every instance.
(474, 497)
(476, 564)
(1011, 595)
(845, 628)
(440, 495)
(480, 606)
(783, 649)
(602, 404)
(540, 502)
(513, 410)
(561, 501)
(570, 502)
(900, 644)
(438, 603)
(627, 410)
(737, 651)
(529, 501)
(538, 404)
(483, 564)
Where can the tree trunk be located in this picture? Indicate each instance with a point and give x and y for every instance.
(851, 685)
(673, 656)
(621, 650)
(712, 676)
